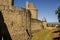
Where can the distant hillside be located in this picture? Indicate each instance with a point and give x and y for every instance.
(53, 23)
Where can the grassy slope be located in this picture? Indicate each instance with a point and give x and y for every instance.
(42, 35)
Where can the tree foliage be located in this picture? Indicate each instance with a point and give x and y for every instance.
(58, 13)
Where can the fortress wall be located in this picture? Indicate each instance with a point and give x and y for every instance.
(6, 2)
(51, 27)
(36, 25)
(17, 23)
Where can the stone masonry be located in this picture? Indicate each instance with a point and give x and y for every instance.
(18, 22)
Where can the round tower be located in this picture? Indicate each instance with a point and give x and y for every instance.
(44, 22)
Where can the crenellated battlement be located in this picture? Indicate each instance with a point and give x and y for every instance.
(7, 2)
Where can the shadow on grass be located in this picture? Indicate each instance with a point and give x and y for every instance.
(56, 31)
(57, 38)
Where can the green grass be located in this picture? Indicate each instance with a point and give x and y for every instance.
(42, 35)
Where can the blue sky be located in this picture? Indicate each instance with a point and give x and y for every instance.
(46, 8)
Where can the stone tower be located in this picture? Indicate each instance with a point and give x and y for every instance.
(33, 10)
(44, 22)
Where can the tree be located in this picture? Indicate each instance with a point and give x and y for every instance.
(58, 13)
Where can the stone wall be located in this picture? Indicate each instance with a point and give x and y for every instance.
(7, 2)
(17, 22)
(36, 25)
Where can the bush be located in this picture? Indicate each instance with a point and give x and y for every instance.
(58, 27)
